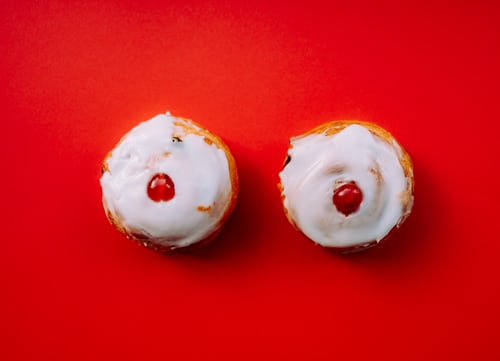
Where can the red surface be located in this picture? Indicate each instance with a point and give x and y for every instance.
(76, 75)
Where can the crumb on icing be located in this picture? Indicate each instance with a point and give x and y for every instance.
(204, 208)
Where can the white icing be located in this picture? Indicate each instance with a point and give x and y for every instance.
(199, 171)
(319, 163)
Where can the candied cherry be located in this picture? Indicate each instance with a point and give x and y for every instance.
(347, 198)
(161, 188)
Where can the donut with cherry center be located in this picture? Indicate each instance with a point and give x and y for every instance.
(347, 184)
(169, 183)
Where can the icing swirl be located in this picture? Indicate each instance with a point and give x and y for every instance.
(321, 162)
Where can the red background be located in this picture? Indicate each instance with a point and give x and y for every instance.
(77, 75)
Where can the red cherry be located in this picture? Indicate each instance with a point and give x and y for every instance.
(161, 188)
(347, 198)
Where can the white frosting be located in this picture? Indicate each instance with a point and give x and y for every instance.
(198, 169)
(319, 163)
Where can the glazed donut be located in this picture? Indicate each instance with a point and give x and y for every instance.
(169, 184)
(347, 184)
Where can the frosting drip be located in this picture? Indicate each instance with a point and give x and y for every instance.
(320, 164)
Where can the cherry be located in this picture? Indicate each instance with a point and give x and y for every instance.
(161, 188)
(347, 198)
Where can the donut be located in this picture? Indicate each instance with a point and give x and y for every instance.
(169, 184)
(347, 185)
